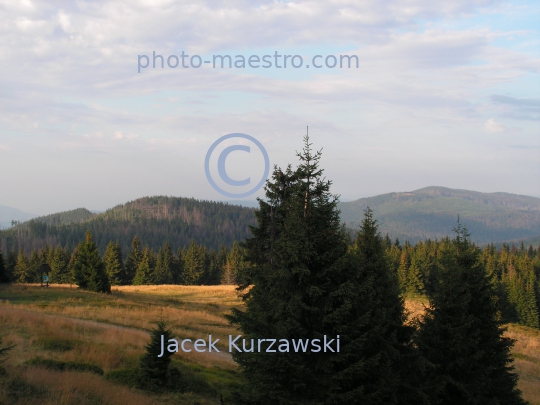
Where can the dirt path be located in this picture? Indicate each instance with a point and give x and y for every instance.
(220, 356)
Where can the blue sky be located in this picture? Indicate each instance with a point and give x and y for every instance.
(447, 93)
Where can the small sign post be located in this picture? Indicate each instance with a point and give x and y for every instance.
(44, 270)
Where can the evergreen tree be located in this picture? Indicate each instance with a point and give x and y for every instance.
(3, 274)
(305, 285)
(462, 336)
(145, 271)
(379, 363)
(233, 266)
(164, 265)
(415, 283)
(194, 264)
(154, 369)
(34, 265)
(59, 266)
(403, 270)
(22, 269)
(88, 268)
(10, 265)
(133, 260)
(114, 264)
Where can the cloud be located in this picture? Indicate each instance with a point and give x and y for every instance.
(4, 147)
(493, 127)
(118, 135)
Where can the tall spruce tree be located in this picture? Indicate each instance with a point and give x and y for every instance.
(22, 268)
(415, 283)
(114, 264)
(133, 260)
(194, 264)
(59, 266)
(145, 271)
(379, 363)
(88, 268)
(306, 285)
(164, 265)
(233, 266)
(462, 336)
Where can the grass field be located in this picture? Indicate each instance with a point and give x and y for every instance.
(64, 337)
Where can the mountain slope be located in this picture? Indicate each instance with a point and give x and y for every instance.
(154, 220)
(8, 214)
(432, 212)
(66, 217)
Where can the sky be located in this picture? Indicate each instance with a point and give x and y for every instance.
(446, 93)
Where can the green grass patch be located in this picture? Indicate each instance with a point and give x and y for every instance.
(56, 344)
(126, 376)
(64, 365)
(17, 389)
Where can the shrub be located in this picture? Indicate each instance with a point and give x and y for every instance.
(64, 366)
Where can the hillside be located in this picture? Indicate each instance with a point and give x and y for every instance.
(66, 217)
(8, 214)
(432, 212)
(154, 220)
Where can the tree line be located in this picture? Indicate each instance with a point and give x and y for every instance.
(514, 273)
(85, 267)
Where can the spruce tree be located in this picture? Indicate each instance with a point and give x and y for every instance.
(59, 267)
(145, 271)
(88, 268)
(22, 269)
(415, 283)
(194, 264)
(164, 266)
(233, 266)
(3, 274)
(133, 260)
(305, 284)
(379, 363)
(114, 264)
(11, 262)
(34, 265)
(154, 369)
(461, 334)
(403, 270)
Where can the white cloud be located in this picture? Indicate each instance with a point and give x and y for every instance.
(4, 147)
(493, 127)
(118, 135)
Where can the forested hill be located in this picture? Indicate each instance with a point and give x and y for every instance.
(154, 220)
(432, 212)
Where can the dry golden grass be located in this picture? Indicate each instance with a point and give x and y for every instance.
(110, 331)
(66, 388)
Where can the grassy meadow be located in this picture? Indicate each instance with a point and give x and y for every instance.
(79, 347)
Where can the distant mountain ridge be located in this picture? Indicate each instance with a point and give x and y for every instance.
(154, 220)
(432, 212)
(8, 214)
(429, 212)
